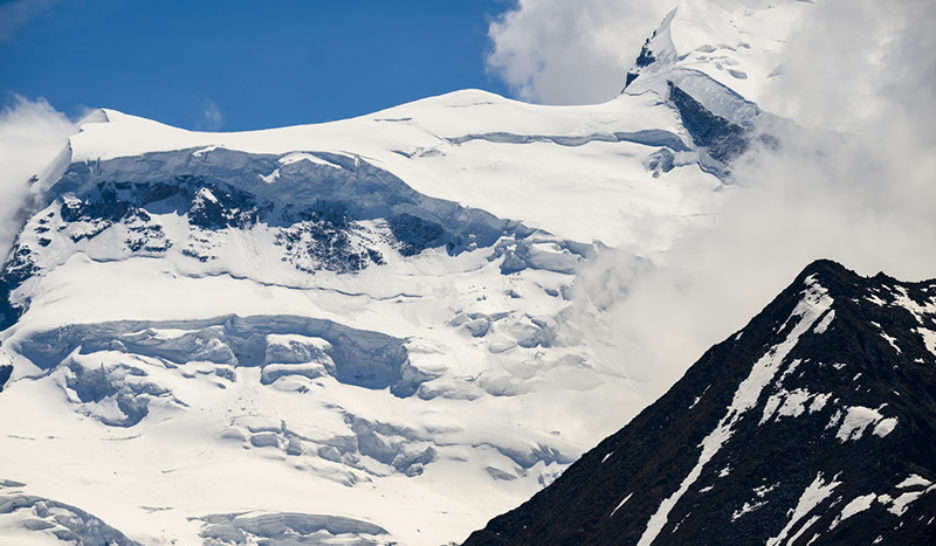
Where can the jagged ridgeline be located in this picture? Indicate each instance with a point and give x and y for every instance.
(815, 424)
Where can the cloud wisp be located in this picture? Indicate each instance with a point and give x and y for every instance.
(32, 133)
(17, 14)
(212, 119)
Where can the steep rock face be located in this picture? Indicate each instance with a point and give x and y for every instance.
(722, 138)
(815, 424)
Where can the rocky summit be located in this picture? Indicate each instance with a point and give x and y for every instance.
(814, 424)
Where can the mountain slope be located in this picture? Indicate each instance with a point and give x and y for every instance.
(369, 310)
(816, 424)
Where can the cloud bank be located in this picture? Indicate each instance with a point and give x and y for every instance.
(32, 133)
(560, 52)
(855, 183)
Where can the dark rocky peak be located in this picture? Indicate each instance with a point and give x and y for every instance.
(814, 424)
(646, 56)
(644, 59)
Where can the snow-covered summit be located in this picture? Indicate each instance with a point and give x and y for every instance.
(463, 147)
(739, 48)
(715, 66)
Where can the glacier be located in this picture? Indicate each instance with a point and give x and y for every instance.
(350, 331)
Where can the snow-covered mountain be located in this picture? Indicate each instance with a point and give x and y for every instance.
(360, 319)
(814, 424)
(352, 331)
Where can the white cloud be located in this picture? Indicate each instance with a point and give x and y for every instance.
(859, 44)
(32, 133)
(14, 15)
(863, 196)
(561, 52)
(212, 118)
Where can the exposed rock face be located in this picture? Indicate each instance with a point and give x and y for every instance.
(815, 424)
(722, 138)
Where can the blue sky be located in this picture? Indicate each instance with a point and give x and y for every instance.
(239, 64)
